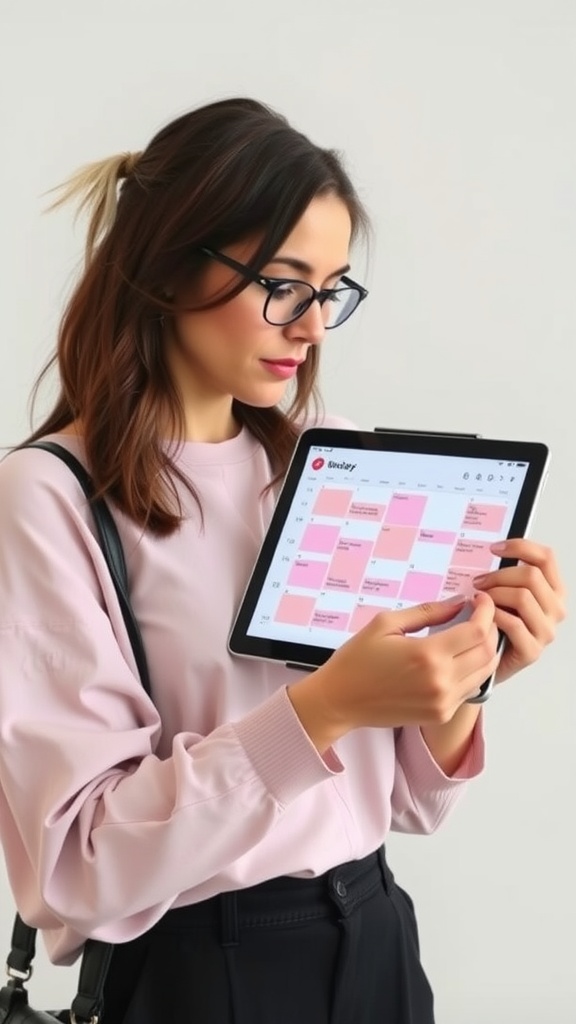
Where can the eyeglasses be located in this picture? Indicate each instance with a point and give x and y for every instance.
(288, 299)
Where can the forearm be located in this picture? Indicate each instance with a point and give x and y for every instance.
(315, 712)
(448, 743)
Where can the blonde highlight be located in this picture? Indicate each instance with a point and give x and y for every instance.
(94, 188)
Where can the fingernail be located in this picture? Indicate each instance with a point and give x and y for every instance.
(497, 548)
(478, 581)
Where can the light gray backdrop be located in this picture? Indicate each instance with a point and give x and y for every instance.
(458, 124)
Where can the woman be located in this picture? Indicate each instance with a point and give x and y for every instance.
(229, 835)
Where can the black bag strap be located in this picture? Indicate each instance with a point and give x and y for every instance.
(111, 545)
(96, 957)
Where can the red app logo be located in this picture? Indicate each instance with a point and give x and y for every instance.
(318, 463)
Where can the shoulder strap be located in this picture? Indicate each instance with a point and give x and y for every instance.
(111, 545)
(96, 957)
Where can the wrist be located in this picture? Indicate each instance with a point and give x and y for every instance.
(318, 717)
(448, 743)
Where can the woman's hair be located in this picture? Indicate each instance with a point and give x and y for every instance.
(223, 173)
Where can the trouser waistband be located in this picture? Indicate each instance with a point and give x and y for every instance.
(286, 900)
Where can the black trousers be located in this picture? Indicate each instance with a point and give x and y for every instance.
(339, 949)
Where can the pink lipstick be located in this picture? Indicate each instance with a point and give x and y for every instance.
(282, 368)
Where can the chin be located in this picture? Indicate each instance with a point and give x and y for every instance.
(262, 398)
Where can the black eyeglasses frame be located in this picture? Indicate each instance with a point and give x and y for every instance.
(272, 283)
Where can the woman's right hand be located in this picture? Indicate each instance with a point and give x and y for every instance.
(383, 678)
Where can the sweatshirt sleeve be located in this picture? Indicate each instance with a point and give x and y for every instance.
(423, 795)
(99, 833)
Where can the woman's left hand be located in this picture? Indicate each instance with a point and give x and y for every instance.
(529, 599)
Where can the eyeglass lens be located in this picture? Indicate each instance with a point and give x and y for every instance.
(291, 299)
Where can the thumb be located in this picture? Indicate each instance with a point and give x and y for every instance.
(430, 613)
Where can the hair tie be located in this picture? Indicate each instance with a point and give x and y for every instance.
(128, 165)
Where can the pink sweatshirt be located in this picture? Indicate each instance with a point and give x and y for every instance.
(114, 809)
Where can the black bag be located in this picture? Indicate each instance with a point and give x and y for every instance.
(87, 1005)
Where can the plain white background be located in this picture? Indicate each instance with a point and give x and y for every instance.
(457, 123)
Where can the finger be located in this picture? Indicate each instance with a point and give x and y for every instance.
(480, 670)
(532, 554)
(466, 635)
(523, 577)
(418, 617)
(470, 685)
(523, 604)
(472, 667)
(523, 648)
(479, 657)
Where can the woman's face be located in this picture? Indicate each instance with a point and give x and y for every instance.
(231, 351)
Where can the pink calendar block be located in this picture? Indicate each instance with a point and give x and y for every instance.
(332, 501)
(362, 615)
(295, 610)
(484, 517)
(385, 588)
(348, 564)
(330, 620)
(395, 542)
(308, 574)
(366, 512)
(320, 539)
(459, 581)
(473, 553)
(406, 509)
(436, 537)
(421, 586)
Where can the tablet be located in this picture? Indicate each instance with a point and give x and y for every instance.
(367, 521)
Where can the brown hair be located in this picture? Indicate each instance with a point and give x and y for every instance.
(219, 174)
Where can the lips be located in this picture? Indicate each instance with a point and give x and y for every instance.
(282, 368)
(284, 362)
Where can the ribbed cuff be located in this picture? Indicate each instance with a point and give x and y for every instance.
(281, 750)
(423, 771)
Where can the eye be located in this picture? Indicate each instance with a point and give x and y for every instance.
(283, 291)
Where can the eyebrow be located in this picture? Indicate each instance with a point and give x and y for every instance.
(305, 268)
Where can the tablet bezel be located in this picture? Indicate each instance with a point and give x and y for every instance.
(306, 656)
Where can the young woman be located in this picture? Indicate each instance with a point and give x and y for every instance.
(228, 836)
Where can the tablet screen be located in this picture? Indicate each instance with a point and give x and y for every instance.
(368, 528)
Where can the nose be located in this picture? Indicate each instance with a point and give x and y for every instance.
(309, 327)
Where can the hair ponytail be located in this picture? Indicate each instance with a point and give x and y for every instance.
(95, 188)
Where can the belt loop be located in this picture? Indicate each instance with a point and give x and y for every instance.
(229, 933)
(387, 876)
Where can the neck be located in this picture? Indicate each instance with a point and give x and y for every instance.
(210, 425)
